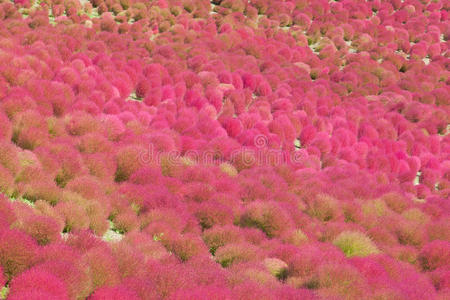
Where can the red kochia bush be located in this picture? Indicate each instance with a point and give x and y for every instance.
(129, 260)
(2, 278)
(93, 143)
(434, 255)
(251, 290)
(7, 215)
(129, 160)
(35, 280)
(146, 175)
(114, 293)
(289, 293)
(9, 156)
(197, 191)
(17, 251)
(103, 269)
(236, 253)
(101, 165)
(87, 186)
(71, 164)
(45, 190)
(43, 229)
(219, 236)
(208, 272)
(325, 208)
(112, 127)
(143, 287)
(203, 293)
(73, 214)
(212, 213)
(30, 130)
(5, 127)
(184, 246)
(17, 101)
(170, 278)
(126, 221)
(340, 280)
(72, 272)
(34, 295)
(6, 181)
(81, 123)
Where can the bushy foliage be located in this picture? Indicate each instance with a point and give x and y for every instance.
(354, 243)
(9, 157)
(235, 253)
(74, 216)
(70, 271)
(44, 229)
(103, 269)
(118, 292)
(434, 255)
(206, 292)
(2, 278)
(267, 216)
(18, 252)
(219, 236)
(34, 280)
(129, 160)
(303, 144)
(340, 280)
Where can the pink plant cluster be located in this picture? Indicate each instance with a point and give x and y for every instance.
(356, 91)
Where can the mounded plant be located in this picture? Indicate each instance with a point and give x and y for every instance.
(355, 243)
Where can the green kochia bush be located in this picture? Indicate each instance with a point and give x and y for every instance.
(354, 243)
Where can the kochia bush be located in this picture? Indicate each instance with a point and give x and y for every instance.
(34, 280)
(18, 252)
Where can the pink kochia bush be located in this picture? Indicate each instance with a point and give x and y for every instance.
(34, 281)
(43, 229)
(18, 252)
(435, 255)
(114, 293)
(224, 149)
(2, 278)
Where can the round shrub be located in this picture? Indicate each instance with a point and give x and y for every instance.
(36, 280)
(184, 246)
(103, 269)
(6, 181)
(267, 216)
(74, 216)
(9, 157)
(203, 293)
(211, 213)
(340, 280)
(237, 253)
(43, 229)
(114, 293)
(434, 255)
(18, 252)
(6, 128)
(129, 160)
(70, 271)
(325, 208)
(354, 243)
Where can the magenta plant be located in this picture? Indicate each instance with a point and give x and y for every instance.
(224, 149)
